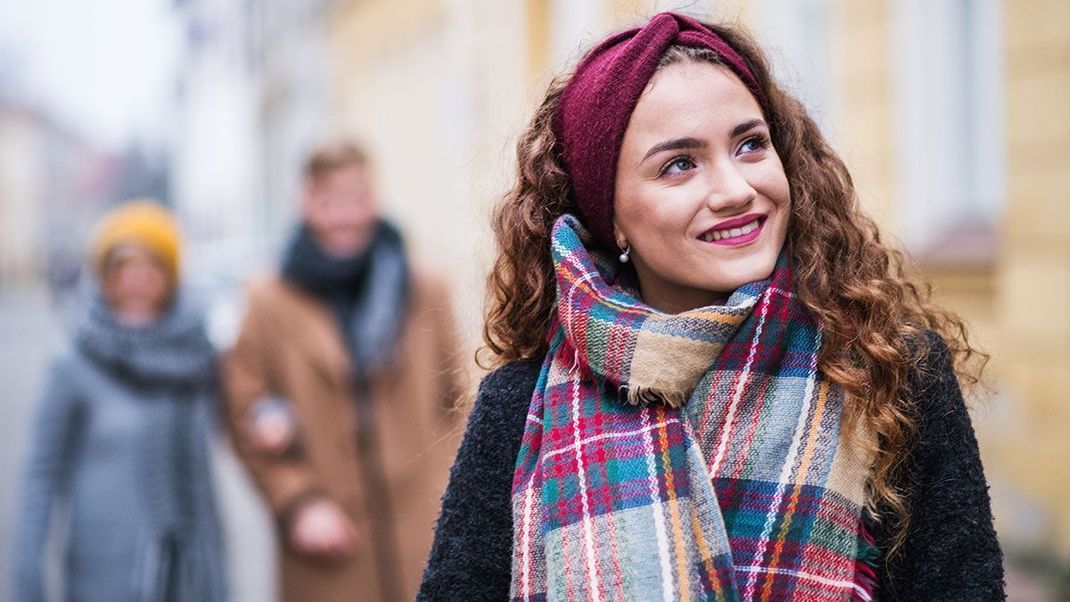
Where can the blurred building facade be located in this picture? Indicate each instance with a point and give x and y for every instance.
(250, 103)
(1032, 317)
(22, 141)
(961, 153)
(950, 114)
(53, 183)
(214, 141)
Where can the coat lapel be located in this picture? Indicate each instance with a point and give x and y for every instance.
(318, 336)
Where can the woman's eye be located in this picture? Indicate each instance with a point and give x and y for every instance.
(679, 164)
(753, 144)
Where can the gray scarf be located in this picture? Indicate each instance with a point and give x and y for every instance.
(173, 352)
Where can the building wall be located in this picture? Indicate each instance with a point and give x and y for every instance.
(1033, 294)
(249, 106)
(1013, 295)
(437, 90)
(53, 186)
(22, 252)
(213, 145)
(864, 126)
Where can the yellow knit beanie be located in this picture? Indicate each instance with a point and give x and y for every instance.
(143, 222)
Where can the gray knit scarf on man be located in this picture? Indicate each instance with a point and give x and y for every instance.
(367, 292)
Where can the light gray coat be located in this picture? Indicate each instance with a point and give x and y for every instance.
(119, 439)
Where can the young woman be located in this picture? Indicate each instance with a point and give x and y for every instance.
(119, 434)
(715, 381)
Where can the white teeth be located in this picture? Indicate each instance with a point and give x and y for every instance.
(730, 233)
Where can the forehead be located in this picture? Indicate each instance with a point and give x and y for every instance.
(131, 250)
(685, 97)
(343, 175)
(129, 253)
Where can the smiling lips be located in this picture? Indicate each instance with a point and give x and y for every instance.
(736, 231)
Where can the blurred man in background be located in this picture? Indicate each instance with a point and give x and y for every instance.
(341, 388)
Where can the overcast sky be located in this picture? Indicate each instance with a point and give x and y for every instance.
(105, 67)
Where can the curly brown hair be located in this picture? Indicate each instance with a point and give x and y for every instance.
(873, 312)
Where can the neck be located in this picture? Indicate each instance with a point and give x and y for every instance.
(136, 315)
(135, 319)
(340, 247)
(670, 299)
(670, 304)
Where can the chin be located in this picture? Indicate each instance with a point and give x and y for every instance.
(347, 244)
(729, 280)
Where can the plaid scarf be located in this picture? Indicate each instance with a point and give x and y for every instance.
(685, 457)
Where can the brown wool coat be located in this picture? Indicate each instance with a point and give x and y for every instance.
(290, 346)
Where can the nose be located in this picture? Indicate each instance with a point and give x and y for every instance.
(729, 190)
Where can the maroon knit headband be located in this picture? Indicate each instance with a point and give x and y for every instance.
(598, 102)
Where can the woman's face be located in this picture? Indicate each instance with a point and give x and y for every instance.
(701, 194)
(136, 286)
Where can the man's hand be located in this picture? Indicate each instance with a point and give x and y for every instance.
(321, 528)
(272, 428)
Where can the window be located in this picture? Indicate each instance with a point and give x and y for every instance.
(946, 58)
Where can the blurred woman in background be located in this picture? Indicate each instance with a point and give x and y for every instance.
(119, 433)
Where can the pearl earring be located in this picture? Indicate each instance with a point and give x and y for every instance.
(623, 257)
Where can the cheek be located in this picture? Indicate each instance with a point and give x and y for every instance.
(653, 213)
(363, 214)
(161, 286)
(349, 213)
(772, 183)
(780, 193)
(316, 214)
(111, 287)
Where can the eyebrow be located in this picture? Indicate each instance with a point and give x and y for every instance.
(675, 144)
(746, 125)
(690, 143)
